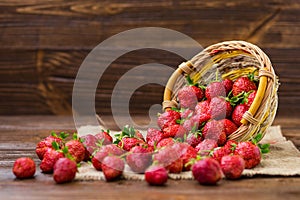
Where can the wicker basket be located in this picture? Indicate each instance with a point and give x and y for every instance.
(232, 59)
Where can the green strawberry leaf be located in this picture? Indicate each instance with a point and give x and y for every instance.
(53, 134)
(264, 148)
(75, 136)
(63, 135)
(189, 80)
(55, 145)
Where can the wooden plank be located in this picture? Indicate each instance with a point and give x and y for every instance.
(82, 25)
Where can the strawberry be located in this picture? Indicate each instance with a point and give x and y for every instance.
(174, 131)
(250, 153)
(169, 157)
(250, 98)
(76, 149)
(187, 154)
(227, 149)
(127, 143)
(104, 151)
(196, 121)
(50, 158)
(46, 143)
(139, 159)
(214, 130)
(176, 166)
(165, 142)
(219, 152)
(90, 143)
(228, 126)
(186, 114)
(64, 170)
(231, 145)
(207, 171)
(215, 89)
(227, 83)
(243, 84)
(238, 113)
(129, 138)
(187, 96)
(220, 108)
(156, 175)
(232, 166)
(194, 139)
(104, 137)
(24, 168)
(202, 108)
(154, 136)
(168, 118)
(204, 147)
(112, 167)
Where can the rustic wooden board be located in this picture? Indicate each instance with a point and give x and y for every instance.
(43, 43)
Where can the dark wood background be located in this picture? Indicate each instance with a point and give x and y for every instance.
(43, 43)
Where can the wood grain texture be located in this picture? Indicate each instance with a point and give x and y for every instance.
(43, 43)
(19, 135)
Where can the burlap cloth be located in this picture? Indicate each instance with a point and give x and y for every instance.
(282, 160)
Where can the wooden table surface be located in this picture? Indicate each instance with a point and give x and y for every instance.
(19, 135)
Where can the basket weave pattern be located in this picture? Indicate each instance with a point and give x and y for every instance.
(232, 59)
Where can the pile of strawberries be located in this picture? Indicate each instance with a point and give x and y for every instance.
(192, 138)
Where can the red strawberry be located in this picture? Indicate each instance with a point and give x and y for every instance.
(227, 85)
(104, 151)
(187, 153)
(204, 147)
(176, 166)
(112, 167)
(127, 143)
(165, 142)
(139, 159)
(187, 96)
(76, 149)
(104, 137)
(228, 126)
(24, 168)
(154, 136)
(215, 89)
(175, 131)
(90, 143)
(186, 114)
(64, 170)
(169, 157)
(196, 121)
(202, 108)
(219, 108)
(46, 143)
(219, 152)
(214, 130)
(227, 149)
(242, 84)
(156, 175)
(232, 166)
(168, 118)
(50, 158)
(207, 171)
(194, 139)
(250, 153)
(238, 113)
(250, 98)
(230, 146)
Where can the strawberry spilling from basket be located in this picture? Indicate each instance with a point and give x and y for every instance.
(216, 109)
